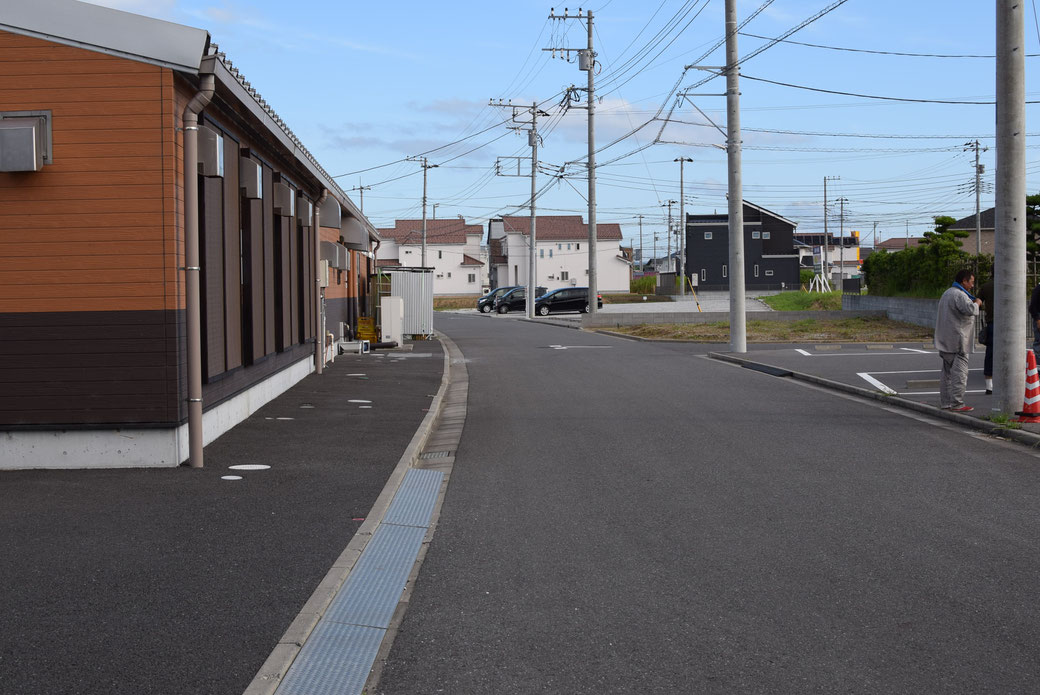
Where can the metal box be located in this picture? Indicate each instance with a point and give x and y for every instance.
(21, 144)
(329, 213)
(251, 179)
(305, 212)
(353, 234)
(211, 152)
(284, 200)
(415, 287)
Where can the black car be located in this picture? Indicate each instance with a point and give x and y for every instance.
(515, 299)
(486, 303)
(567, 299)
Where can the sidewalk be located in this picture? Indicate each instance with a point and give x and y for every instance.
(179, 581)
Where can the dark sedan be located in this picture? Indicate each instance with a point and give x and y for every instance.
(486, 303)
(567, 299)
(515, 299)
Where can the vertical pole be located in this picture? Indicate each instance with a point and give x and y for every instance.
(592, 172)
(642, 258)
(737, 326)
(532, 270)
(978, 202)
(670, 232)
(1010, 222)
(875, 235)
(841, 253)
(682, 232)
(826, 238)
(425, 169)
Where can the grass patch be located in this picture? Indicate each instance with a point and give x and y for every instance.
(804, 301)
(870, 329)
(1003, 421)
(445, 303)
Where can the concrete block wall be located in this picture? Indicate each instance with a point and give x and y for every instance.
(611, 320)
(919, 312)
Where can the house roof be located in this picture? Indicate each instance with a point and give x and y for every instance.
(444, 231)
(470, 260)
(898, 243)
(770, 213)
(987, 220)
(104, 30)
(562, 228)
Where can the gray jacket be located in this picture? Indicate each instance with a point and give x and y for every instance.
(955, 322)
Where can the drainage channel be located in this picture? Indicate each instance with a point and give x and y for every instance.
(338, 643)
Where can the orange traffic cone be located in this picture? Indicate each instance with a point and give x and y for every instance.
(1031, 405)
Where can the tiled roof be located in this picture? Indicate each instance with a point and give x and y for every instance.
(986, 221)
(470, 260)
(562, 228)
(898, 243)
(443, 231)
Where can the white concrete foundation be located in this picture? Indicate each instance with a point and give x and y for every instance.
(140, 448)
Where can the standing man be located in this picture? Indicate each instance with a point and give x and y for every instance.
(954, 336)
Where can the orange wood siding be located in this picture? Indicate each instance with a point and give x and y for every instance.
(96, 230)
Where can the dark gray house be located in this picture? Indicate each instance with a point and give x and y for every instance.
(770, 257)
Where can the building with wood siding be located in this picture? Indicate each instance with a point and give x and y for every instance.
(143, 311)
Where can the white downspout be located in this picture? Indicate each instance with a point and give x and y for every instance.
(192, 265)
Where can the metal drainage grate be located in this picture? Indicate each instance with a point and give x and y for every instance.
(437, 454)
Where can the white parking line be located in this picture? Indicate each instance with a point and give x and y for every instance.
(876, 384)
(923, 352)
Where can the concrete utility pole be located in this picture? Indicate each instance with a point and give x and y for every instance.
(426, 166)
(531, 127)
(1010, 222)
(841, 256)
(979, 168)
(875, 235)
(737, 314)
(825, 268)
(361, 189)
(671, 231)
(682, 227)
(587, 62)
(642, 258)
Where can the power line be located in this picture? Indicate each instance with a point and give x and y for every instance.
(873, 96)
(876, 52)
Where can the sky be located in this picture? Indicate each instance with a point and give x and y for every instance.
(372, 88)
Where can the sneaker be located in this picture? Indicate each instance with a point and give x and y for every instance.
(961, 409)
(989, 392)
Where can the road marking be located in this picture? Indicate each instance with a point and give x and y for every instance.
(575, 347)
(923, 352)
(804, 352)
(874, 382)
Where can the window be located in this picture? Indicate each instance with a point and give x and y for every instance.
(440, 254)
(565, 275)
(559, 247)
(766, 235)
(472, 277)
(756, 235)
(568, 247)
(577, 247)
(707, 236)
(704, 272)
(449, 275)
(550, 253)
(541, 253)
(725, 271)
(769, 273)
(756, 270)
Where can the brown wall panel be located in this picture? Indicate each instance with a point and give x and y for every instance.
(254, 225)
(295, 272)
(269, 277)
(232, 258)
(212, 285)
(107, 119)
(284, 257)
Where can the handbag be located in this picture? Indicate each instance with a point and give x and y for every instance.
(982, 335)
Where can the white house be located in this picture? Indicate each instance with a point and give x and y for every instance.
(452, 250)
(562, 253)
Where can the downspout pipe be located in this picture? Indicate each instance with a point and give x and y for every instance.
(319, 324)
(192, 265)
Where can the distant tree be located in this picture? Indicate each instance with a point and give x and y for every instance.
(943, 232)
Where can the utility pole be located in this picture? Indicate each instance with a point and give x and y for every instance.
(669, 205)
(737, 314)
(642, 258)
(979, 168)
(586, 62)
(426, 166)
(1010, 217)
(826, 235)
(875, 235)
(841, 262)
(435, 210)
(532, 140)
(362, 190)
(682, 227)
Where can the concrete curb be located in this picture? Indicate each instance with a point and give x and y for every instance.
(986, 426)
(270, 675)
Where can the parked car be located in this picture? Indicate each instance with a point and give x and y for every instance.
(566, 299)
(486, 303)
(515, 299)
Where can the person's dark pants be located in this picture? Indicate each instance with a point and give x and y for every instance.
(987, 366)
(1036, 339)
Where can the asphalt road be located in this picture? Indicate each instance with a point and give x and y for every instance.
(175, 581)
(632, 517)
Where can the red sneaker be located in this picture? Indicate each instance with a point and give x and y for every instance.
(962, 409)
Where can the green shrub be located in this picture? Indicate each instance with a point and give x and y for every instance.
(643, 285)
